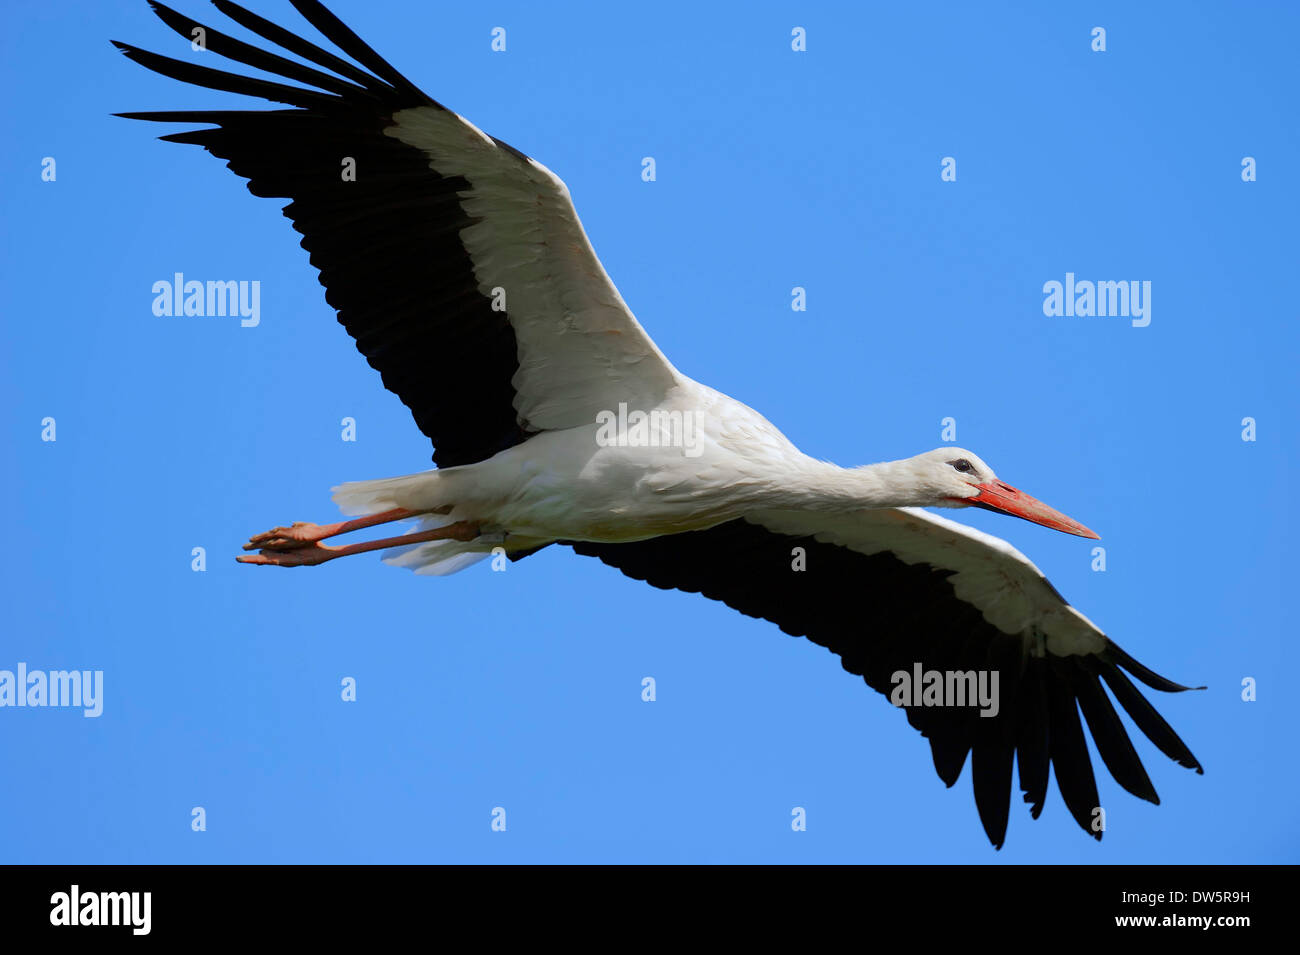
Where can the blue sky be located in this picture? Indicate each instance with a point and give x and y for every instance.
(521, 689)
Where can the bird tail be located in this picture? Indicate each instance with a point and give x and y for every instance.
(425, 491)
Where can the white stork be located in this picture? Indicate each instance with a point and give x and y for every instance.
(689, 489)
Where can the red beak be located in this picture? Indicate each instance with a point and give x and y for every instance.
(996, 496)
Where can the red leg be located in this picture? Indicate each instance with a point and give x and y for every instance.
(312, 552)
(303, 533)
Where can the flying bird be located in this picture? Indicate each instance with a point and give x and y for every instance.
(459, 266)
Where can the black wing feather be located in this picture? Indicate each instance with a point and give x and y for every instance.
(217, 42)
(1112, 740)
(1068, 748)
(1032, 728)
(296, 44)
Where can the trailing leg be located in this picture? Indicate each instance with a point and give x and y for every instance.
(311, 552)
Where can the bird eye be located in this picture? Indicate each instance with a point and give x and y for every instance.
(961, 464)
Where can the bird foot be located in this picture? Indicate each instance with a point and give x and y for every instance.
(301, 534)
(294, 554)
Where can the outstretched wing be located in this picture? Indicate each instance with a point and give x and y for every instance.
(903, 591)
(441, 228)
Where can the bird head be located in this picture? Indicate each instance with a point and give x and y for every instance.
(955, 477)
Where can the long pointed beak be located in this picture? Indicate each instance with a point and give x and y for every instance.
(996, 496)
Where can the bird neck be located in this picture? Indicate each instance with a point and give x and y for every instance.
(823, 486)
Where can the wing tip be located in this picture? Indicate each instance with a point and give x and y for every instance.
(1115, 654)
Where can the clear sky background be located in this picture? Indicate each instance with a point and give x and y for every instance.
(522, 689)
